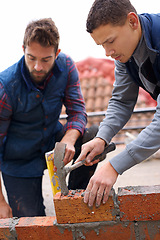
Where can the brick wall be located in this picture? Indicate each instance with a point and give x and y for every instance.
(132, 213)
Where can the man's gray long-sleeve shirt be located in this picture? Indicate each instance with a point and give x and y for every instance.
(120, 109)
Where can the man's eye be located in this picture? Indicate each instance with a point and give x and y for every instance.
(31, 58)
(111, 41)
(45, 60)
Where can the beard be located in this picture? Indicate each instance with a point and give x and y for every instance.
(39, 76)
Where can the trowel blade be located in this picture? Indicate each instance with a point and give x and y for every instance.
(59, 153)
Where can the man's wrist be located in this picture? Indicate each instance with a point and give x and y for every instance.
(106, 143)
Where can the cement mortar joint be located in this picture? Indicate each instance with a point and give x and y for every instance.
(12, 224)
(116, 210)
(80, 228)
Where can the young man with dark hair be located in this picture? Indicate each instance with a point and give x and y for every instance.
(134, 42)
(32, 93)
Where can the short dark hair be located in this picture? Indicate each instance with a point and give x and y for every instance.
(43, 31)
(104, 12)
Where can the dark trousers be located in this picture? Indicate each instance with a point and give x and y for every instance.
(24, 196)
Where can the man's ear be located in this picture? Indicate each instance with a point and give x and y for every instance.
(58, 51)
(133, 20)
(23, 48)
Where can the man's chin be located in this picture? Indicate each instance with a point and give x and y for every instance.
(37, 79)
(122, 60)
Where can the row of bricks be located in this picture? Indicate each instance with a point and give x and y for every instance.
(133, 213)
(45, 228)
(136, 203)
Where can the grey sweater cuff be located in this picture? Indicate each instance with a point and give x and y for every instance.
(122, 161)
(103, 132)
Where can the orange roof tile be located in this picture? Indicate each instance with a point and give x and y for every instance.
(97, 77)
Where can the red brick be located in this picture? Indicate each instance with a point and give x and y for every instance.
(44, 228)
(139, 203)
(115, 231)
(4, 229)
(72, 209)
(148, 230)
(41, 228)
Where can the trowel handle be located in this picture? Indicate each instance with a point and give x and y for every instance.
(101, 156)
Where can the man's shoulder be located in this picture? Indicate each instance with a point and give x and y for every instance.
(151, 19)
(11, 72)
(151, 28)
(63, 61)
(150, 16)
(10, 78)
(63, 57)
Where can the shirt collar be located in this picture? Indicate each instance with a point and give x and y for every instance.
(139, 46)
(26, 76)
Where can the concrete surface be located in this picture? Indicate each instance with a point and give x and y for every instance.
(145, 173)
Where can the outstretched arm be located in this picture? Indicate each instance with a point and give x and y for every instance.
(119, 110)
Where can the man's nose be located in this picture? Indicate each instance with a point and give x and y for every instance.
(109, 52)
(38, 66)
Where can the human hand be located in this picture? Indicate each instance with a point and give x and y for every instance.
(100, 185)
(69, 152)
(5, 210)
(90, 150)
(70, 139)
